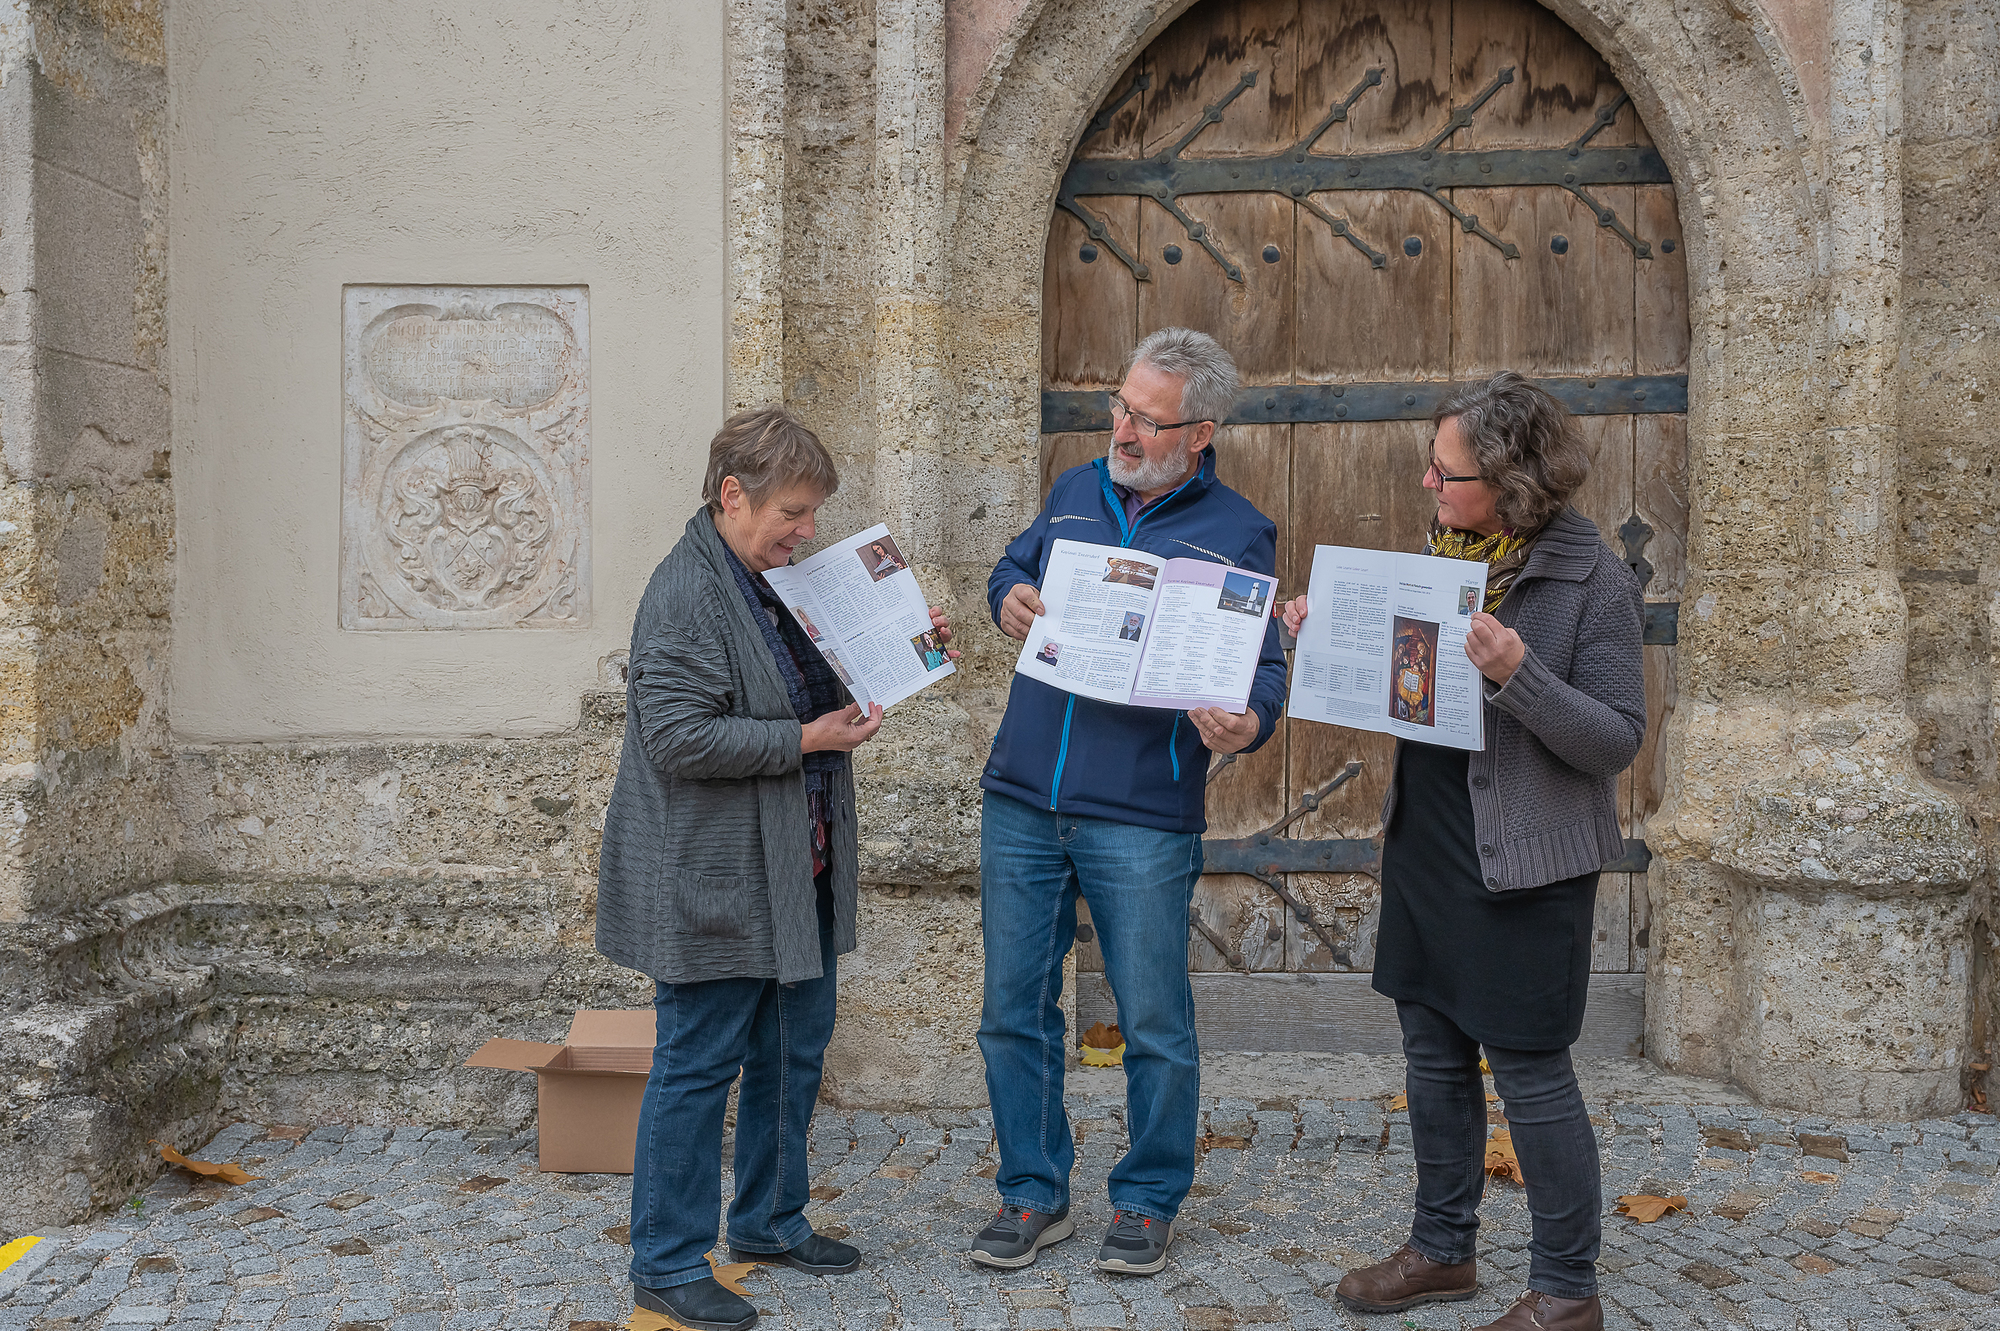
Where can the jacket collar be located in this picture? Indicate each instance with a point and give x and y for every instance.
(1566, 551)
(1192, 488)
(706, 541)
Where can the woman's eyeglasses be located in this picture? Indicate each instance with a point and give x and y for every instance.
(1436, 471)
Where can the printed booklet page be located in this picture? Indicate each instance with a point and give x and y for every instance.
(863, 609)
(1383, 646)
(1125, 626)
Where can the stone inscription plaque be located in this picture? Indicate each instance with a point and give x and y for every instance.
(466, 458)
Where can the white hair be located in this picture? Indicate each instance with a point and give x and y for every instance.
(1206, 371)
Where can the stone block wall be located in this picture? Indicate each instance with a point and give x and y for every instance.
(110, 1035)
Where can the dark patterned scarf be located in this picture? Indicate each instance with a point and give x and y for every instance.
(810, 683)
(1504, 553)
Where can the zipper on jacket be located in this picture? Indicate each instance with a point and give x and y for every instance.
(1124, 542)
(1062, 754)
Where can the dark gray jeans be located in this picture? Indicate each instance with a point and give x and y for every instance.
(1552, 1137)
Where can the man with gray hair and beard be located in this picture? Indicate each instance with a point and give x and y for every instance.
(1094, 799)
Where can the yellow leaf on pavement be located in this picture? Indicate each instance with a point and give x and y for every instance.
(230, 1173)
(15, 1251)
(1501, 1162)
(1646, 1208)
(1398, 1103)
(1093, 1057)
(730, 1275)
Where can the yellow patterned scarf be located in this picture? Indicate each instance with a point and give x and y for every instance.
(1504, 553)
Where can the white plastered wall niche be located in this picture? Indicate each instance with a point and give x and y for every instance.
(498, 143)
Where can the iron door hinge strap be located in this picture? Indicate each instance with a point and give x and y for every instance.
(1298, 173)
(1088, 410)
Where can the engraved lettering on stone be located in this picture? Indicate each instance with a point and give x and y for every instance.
(467, 452)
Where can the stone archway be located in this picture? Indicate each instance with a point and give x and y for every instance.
(1791, 713)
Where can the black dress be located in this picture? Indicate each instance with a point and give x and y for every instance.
(1510, 969)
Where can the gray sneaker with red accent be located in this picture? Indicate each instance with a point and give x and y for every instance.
(1136, 1244)
(1017, 1234)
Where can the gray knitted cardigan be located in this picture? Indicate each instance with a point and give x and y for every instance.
(1545, 789)
(706, 867)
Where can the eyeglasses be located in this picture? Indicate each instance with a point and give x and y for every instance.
(1437, 471)
(1145, 425)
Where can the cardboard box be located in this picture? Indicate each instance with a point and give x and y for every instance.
(587, 1089)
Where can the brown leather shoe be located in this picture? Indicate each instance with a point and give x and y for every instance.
(1404, 1279)
(1536, 1311)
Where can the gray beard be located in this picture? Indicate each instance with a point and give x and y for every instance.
(1149, 474)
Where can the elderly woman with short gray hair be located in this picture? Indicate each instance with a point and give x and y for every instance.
(728, 871)
(1490, 859)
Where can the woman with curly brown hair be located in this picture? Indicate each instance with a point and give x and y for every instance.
(1490, 859)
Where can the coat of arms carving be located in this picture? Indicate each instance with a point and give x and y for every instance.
(466, 458)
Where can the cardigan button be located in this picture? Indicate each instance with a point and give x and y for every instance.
(1493, 882)
(1486, 849)
(1479, 783)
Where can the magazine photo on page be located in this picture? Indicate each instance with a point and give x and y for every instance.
(1383, 646)
(860, 604)
(1125, 626)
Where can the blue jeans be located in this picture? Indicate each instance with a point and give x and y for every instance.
(1033, 864)
(1552, 1137)
(776, 1034)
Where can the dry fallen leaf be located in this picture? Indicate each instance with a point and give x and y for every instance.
(1501, 1162)
(483, 1183)
(1646, 1208)
(1814, 1176)
(229, 1172)
(1398, 1103)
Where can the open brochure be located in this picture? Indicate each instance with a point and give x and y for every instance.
(1126, 626)
(861, 606)
(1383, 646)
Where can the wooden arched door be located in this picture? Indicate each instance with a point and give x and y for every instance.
(1368, 200)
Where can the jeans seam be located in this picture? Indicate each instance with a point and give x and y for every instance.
(1049, 962)
(1140, 1210)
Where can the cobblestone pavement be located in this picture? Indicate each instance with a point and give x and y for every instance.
(1795, 1222)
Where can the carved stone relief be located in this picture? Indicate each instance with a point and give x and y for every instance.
(466, 458)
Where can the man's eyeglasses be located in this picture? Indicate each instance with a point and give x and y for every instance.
(1145, 425)
(1438, 472)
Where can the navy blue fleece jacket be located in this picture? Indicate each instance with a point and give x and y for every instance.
(1140, 765)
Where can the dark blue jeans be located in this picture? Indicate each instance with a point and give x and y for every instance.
(776, 1034)
(1033, 864)
(1552, 1138)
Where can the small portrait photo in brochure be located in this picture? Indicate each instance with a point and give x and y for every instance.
(1135, 624)
(805, 622)
(1413, 670)
(839, 667)
(1246, 596)
(1468, 601)
(929, 650)
(881, 558)
(1050, 650)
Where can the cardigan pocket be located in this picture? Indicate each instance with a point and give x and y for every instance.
(707, 906)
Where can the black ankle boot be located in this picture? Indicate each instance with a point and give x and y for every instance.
(702, 1304)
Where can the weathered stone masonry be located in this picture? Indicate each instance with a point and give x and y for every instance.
(317, 930)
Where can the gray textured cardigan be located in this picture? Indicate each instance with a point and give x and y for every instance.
(1545, 789)
(706, 866)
